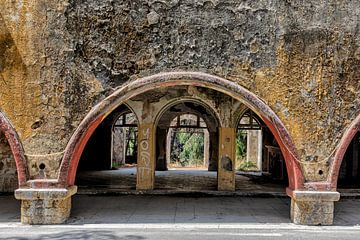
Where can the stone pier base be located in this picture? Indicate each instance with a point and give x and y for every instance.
(313, 207)
(45, 206)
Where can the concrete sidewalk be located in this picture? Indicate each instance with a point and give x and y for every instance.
(138, 209)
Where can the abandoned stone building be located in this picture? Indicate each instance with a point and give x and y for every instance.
(179, 95)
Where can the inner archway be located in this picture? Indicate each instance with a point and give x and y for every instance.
(349, 174)
(109, 160)
(8, 172)
(187, 143)
(260, 165)
(13, 173)
(124, 141)
(345, 150)
(186, 146)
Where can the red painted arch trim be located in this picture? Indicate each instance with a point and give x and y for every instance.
(81, 135)
(341, 150)
(16, 148)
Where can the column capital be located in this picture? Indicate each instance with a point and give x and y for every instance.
(306, 195)
(44, 193)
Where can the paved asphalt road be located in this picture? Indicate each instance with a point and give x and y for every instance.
(177, 232)
(179, 218)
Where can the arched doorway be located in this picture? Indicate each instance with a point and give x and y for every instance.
(13, 173)
(12, 146)
(259, 160)
(187, 143)
(342, 170)
(87, 127)
(146, 130)
(124, 141)
(109, 160)
(349, 174)
(186, 146)
(8, 172)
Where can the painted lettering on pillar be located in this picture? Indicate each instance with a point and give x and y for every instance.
(145, 168)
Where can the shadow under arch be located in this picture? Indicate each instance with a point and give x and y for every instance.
(340, 152)
(99, 150)
(81, 135)
(16, 148)
(165, 108)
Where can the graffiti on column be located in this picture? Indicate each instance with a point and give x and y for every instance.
(145, 168)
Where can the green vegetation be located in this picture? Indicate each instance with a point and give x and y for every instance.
(241, 139)
(242, 164)
(247, 166)
(131, 141)
(188, 148)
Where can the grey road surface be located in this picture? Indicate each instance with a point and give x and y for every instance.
(174, 217)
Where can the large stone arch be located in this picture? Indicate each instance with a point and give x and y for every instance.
(16, 147)
(80, 137)
(340, 152)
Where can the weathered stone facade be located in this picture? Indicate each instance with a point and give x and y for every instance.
(295, 63)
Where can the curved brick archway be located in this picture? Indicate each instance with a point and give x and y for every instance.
(16, 148)
(341, 150)
(79, 139)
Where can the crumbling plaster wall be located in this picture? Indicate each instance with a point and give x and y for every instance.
(59, 58)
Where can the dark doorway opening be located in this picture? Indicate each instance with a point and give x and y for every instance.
(8, 172)
(349, 175)
(109, 159)
(259, 161)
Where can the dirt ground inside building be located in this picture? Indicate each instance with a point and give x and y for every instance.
(177, 180)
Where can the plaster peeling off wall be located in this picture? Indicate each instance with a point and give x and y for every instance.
(8, 174)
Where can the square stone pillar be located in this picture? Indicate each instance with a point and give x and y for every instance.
(146, 157)
(226, 166)
(313, 207)
(45, 206)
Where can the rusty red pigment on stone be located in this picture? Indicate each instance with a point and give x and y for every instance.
(16, 148)
(77, 151)
(78, 141)
(340, 152)
(295, 175)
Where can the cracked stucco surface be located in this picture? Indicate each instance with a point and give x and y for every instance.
(59, 58)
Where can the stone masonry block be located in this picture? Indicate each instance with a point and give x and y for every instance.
(45, 206)
(313, 207)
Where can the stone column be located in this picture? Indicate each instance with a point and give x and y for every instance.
(146, 157)
(213, 151)
(206, 148)
(313, 207)
(226, 166)
(168, 146)
(254, 148)
(161, 137)
(45, 206)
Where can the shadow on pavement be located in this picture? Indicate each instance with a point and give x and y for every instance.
(90, 234)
